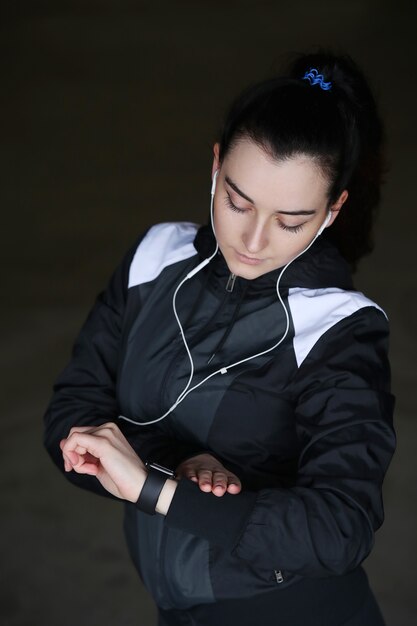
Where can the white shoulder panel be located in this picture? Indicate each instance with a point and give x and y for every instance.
(314, 311)
(163, 245)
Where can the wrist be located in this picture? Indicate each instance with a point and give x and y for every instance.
(139, 481)
(151, 490)
(166, 496)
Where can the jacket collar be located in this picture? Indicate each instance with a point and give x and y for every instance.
(321, 266)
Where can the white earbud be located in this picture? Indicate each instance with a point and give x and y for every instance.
(326, 221)
(213, 184)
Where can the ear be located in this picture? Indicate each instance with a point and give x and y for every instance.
(216, 160)
(335, 208)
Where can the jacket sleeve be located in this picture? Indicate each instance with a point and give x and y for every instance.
(324, 525)
(85, 392)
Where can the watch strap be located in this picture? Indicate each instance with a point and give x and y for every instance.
(151, 490)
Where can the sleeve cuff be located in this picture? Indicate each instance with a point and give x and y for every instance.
(220, 520)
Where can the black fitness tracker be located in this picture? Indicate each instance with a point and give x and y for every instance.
(157, 476)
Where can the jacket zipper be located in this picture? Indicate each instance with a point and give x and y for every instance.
(231, 282)
(191, 343)
(278, 576)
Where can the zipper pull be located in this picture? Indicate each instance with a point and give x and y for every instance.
(231, 282)
(278, 576)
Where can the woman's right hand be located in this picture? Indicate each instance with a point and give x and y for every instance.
(210, 475)
(104, 452)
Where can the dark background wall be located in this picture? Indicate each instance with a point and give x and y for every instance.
(108, 112)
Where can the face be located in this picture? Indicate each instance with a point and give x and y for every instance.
(265, 211)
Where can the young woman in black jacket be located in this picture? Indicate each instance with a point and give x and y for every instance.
(231, 385)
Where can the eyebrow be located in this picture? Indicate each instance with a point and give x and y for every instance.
(236, 188)
(243, 195)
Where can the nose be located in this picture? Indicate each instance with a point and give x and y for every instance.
(255, 238)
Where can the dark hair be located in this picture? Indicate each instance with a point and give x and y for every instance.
(340, 129)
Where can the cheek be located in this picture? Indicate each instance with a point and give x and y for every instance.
(224, 223)
(286, 246)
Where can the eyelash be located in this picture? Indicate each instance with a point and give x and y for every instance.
(233, 206)
(291, 229)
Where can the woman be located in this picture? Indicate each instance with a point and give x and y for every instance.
(239, 357)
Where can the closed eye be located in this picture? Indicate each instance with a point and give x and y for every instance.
(291, 229)
(233, 206)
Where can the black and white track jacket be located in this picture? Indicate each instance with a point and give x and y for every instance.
(306, 427)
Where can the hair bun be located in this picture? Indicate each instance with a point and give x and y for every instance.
(349, 86)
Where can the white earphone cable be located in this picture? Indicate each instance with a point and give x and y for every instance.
(223, 370)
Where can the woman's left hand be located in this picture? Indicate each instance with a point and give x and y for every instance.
(210, 475)
(104, 452)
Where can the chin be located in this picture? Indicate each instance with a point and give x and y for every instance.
(251, 275)
(246, 271)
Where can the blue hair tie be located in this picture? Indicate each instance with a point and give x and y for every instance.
(315, 78)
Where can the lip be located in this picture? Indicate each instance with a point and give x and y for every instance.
(247, 259)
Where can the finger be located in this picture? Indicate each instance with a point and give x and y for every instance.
(81, 429)
(87, 468)
(81, 450)
(85, 459)
(111, 433)
(90, 443)
(75, 458)
(67, 464)
(205, 480)
(233, 483)
(219, 483)
(72, 457)
(190, 474)
(112, 426)
(107, 430)
(234, 487)
(89, 458)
